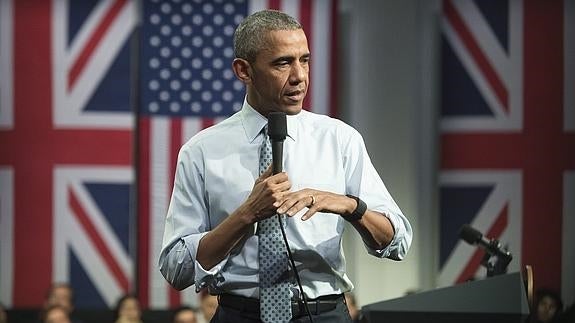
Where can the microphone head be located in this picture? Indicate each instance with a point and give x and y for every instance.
(469, 234)
(277, 126)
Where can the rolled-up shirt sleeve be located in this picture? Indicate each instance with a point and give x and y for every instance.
(186, 222)
(363, 180)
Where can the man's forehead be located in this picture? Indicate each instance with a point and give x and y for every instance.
(285, 42)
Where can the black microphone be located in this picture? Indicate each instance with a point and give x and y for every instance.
(277, 131)
(492, 247)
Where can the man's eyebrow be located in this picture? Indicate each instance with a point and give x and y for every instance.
(283, 58)
(289, 58)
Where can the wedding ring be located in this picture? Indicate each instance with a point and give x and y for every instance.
(312, 200)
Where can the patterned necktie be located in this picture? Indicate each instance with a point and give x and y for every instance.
(275, 302)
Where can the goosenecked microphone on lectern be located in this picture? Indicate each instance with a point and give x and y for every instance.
(496, 258)
(504, 298)
(277, 131)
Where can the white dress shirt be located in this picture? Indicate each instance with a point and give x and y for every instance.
(215, 173)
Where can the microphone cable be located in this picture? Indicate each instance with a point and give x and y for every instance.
(277, 132)
(296, 274)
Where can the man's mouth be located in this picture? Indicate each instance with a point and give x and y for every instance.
(297, 95)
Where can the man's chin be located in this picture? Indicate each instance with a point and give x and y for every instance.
(292, 109)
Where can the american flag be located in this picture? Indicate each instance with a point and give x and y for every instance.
(186, 84)
(507, 136)
(66, 166)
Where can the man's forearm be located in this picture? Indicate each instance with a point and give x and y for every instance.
(375, 229)
(219, 242)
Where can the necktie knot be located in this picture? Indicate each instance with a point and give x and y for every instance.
(265, 152)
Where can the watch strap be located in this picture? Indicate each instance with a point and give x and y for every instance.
(359, 211)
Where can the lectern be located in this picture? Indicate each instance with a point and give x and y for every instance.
(496, 299)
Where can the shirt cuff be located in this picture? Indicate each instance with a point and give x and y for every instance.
(393, 250)
(203, 277)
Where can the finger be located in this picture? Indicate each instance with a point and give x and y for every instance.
(267, 173)
(283, 187)
(278, 178)
(294, 202)
(284, 205)
(310, 212)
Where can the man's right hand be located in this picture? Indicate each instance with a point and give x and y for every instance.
(268, 189)
(217, 244)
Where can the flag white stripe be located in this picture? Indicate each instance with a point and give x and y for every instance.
(568, 257)
(257, 5)
(160, 194)
(190, 127)
(515, 85)
(6, 235)
(6, 94)
(291, 7)
(321, 49)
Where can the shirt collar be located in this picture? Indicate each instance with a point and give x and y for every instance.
(254, 122)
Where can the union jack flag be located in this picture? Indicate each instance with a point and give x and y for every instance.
(507, 136)
(186, 85)
(66, 172)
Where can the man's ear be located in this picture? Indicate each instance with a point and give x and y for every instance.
(243, 70)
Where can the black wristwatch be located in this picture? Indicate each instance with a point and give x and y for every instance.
(359, 211)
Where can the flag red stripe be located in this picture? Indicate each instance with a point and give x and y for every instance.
(536, 146)
(122, 280)
(493, 233)
(274, 4)
(95, 40)
(471, 150)
(32, 182)
(144, 206)
(62, 146)
(543, 88)
(175, 144)
(207, 122)
(482, 61)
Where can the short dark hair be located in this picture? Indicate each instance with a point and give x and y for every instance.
(121, 301)
(545, 292)
(251, 35)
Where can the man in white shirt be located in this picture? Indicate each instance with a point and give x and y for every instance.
(211, 237)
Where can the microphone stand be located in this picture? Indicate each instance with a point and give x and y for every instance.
(495, 264)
